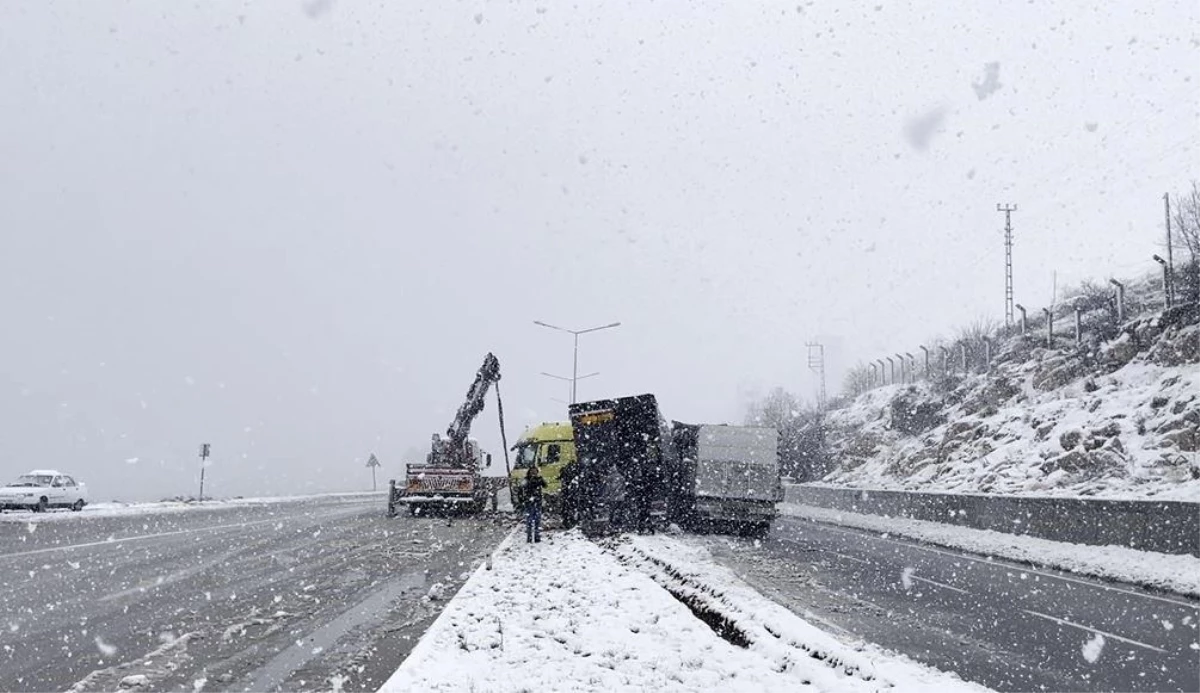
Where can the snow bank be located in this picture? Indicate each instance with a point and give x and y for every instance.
(568, 615)
(119, 509)
(1173, 573)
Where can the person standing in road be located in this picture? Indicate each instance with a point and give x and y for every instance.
(531, 490)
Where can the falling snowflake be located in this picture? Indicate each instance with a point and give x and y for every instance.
(1092, 648)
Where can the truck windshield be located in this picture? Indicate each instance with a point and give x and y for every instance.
(525, 456)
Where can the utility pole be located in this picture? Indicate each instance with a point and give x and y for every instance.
(816, 364)
(1170, 257)
(204, 450)
(1008, 272)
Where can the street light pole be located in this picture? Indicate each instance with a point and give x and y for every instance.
(575, 357)
(572, 381)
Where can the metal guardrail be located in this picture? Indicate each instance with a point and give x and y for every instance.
(1163, 526)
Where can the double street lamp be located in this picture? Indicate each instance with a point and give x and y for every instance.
(575, 361)
(568, 380)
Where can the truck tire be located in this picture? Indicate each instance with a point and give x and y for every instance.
(756, 530)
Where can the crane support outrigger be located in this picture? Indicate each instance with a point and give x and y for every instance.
(450, 477)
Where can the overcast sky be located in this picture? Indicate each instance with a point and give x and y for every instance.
(293, 230)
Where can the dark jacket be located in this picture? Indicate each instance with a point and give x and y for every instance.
(531, 489)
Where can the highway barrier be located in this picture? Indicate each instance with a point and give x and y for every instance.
(1147, 525)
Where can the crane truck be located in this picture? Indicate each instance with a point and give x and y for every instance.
(450, 478)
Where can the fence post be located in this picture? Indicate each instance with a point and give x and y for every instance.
(926, 350)
(945, 359)
(1120, 300)
(962, 353)
(987, 355)
(1049, 328)
(1024, 321)
(1078, 326)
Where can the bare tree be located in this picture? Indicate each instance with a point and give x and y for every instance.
(802, 453)
(858, 380)
(1186, 220)
(1185, 230)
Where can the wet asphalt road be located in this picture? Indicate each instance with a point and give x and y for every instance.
(310, 594)
(1000, 624)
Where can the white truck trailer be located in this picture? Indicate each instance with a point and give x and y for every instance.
(724, 478)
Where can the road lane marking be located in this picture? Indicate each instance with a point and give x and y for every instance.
(139, 537)
(852, 558)
(1089, 629)
(939, 584)
(996, 561)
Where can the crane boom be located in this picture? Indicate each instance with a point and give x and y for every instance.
(460, 427)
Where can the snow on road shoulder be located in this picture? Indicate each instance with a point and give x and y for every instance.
(120, 509)
(568, 615)
(788, 642)
(1173, 573)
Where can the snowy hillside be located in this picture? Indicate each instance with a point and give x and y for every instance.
(1118, 418)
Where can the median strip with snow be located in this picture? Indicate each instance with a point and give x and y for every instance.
(636, 613)
(1173, 573)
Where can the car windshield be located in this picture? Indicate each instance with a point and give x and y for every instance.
(33, 480)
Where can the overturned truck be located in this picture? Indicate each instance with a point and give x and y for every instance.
(622, 447)
(636, 472)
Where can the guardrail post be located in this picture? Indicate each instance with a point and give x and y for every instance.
(391, 509)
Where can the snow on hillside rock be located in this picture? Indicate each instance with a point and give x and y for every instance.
(1118, 419)
(567, 615)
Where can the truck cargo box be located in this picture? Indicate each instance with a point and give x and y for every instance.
(621, 450)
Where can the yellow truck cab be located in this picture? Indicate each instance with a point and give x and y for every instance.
(549, 445)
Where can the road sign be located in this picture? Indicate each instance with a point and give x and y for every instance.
(373, 462)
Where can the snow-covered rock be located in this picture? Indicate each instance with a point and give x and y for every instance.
(1118, 419)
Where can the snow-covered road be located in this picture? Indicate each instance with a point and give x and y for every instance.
(635, 614)
(314, 593)
(1006, 625)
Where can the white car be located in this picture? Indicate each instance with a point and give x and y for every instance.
(41, 490)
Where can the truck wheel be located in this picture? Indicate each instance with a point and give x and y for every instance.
(757, 530)
(77, 506)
